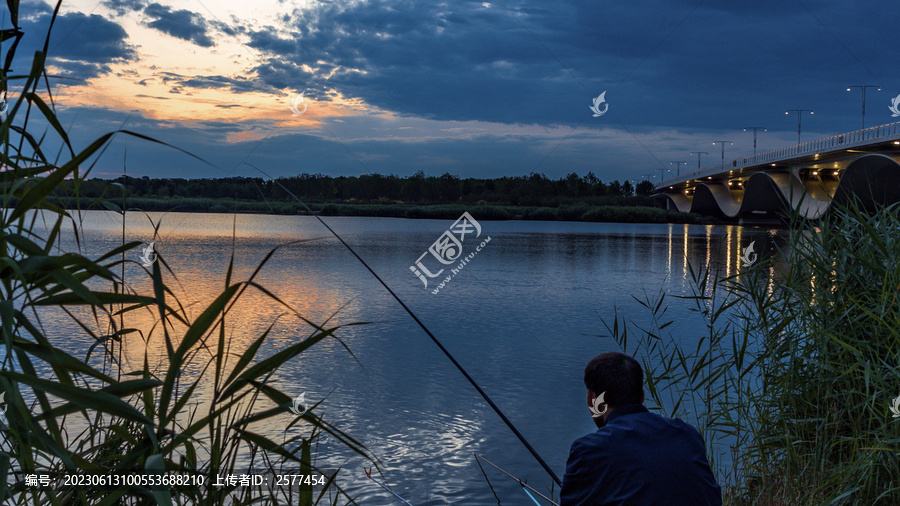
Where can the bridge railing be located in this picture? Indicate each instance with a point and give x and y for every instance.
(833, 143)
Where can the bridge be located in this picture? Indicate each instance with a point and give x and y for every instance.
(806, 178)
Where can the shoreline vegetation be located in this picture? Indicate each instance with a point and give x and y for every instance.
(794, 381)
(571, 212)
(532, 197)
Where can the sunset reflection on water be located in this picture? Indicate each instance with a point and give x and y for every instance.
(529, 302)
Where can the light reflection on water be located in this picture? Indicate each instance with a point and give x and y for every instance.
(522, 318)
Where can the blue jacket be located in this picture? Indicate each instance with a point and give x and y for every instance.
(639, 457)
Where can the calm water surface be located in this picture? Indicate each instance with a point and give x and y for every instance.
(523, 317)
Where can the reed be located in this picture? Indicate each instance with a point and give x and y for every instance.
(797, 362)
(95, 413)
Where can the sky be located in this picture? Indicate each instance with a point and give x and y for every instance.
(474, 89)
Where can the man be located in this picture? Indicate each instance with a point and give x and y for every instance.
(635, 457)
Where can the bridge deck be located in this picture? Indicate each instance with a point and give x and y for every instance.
(830, 149)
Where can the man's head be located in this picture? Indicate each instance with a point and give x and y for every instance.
(618, 377)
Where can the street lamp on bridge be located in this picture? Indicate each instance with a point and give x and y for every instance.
(678, 166)
(863, 88)
(799, 113)
(754, 135)
(699, 156)
(722, 143)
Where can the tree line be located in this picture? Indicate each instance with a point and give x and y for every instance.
(532, 190)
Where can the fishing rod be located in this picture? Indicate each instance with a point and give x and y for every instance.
(369, 475)
(525, 487)
(484, 394)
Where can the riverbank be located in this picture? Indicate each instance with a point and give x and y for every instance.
(572, 212)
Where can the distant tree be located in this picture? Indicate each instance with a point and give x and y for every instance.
(615, 188)
(644, 188)
(574, 187)
(535, 189)
(450, 187)
(413, 188)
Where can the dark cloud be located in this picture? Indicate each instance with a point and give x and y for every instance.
(231, 30)
(207, 82)
(182, 24)
(237, 84)
(78, 70)
(123, 7)
(90, 38)
(663, 63)
(31, 9)
(168, 76)
(81, 46)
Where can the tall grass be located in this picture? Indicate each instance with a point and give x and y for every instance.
(792, 379)
(77, 415)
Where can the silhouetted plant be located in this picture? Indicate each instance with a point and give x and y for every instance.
(796, 366)
(135, 420)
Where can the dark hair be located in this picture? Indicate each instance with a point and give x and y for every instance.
(618, 375)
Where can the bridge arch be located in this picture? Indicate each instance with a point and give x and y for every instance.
(872, 179)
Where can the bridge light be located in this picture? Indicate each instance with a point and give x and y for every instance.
(896, 142)
(815, 173)
(729, 183)
(773, 165)
(835, 173)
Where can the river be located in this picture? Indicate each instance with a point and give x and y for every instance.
(523, 317)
